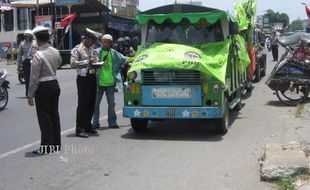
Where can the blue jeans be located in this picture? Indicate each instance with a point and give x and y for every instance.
(109, 91)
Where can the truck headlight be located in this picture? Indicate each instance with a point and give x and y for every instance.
(132, 75)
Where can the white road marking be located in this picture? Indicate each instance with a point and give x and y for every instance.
(22, 148)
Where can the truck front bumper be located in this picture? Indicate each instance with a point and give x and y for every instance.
(173, 112)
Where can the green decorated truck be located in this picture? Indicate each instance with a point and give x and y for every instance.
(192, 64)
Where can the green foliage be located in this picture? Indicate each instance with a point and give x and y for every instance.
(297, 25)
(276, 17)
(286, 183)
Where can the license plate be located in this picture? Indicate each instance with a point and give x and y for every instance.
(170, 113)
(179, 93)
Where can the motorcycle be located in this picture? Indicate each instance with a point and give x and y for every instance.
(290, 78)
(20, 74)
(4, 86)
(268, 43)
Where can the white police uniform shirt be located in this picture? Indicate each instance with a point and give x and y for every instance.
(40, 70)
(81, 53)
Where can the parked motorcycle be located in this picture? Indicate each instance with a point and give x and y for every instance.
(290, 78)
(268, 43)
(4, 86)
(20, 74)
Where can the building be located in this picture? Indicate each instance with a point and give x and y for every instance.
(17, 16)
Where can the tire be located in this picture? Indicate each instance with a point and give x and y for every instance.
(4, 97)
(21, 78)
(250, 88)
(222, 125)
(139, 125)
(263, 73)
(257, 72)
(238, 107)
(292, 102)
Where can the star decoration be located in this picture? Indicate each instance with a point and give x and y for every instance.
(154, 113)
(146, 113)
(185, 113)
(195, 114)
(137, 113)
(204, 113)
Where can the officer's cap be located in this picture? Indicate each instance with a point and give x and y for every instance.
(93, 34)
(41, 33)
(28, 32)
(40, 30)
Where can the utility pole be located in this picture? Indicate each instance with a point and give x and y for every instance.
(38, 7)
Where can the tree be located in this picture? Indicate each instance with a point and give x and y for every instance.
(276, 17)
(297, 24)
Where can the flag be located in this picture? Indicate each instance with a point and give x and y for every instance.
(307, 10)
(67, 29)
(67, 20)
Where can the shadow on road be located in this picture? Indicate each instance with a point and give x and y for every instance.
(181, 130)
(276, 103)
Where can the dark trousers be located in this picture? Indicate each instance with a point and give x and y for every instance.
(87, 88)
(46, 100)
(275, 52)
(26, 69)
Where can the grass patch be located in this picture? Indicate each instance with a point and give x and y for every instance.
(299, 110)
(287, 183)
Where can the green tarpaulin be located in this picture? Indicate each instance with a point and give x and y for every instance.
(210, 59)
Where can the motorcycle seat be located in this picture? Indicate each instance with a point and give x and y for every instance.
(295, 39)
(290, 40)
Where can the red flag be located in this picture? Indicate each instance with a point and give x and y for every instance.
(307, 10)
(67, 20)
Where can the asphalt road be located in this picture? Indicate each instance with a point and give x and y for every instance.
(170, 155)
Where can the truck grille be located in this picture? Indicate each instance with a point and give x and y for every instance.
(170, 77)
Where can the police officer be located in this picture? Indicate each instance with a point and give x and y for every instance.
(86, 82)
(26, 49)
(44, 88)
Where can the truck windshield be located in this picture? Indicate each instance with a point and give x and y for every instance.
(184, 32)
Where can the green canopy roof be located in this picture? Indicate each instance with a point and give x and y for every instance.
(211, 17)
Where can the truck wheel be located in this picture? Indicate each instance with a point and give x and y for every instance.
(238, 107)
(138, 125)
(257, 72)
(263, 73)
(222, 125)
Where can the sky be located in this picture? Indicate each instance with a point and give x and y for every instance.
(293, 8)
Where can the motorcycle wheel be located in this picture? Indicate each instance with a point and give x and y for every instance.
(21, 78)
(4, 97)
(294, 95)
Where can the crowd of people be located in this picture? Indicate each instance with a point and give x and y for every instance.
(99, 71)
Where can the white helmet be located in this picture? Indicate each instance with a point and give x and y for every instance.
(28, 32)
(107, 37)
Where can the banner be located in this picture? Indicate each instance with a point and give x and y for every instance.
(45, 21)
(210, 59)
(119, 3)
(133, 3)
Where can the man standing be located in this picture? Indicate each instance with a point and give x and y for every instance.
(108, 77)
(86, 82)
(274, 46)
(25, 55)
(44, 88)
